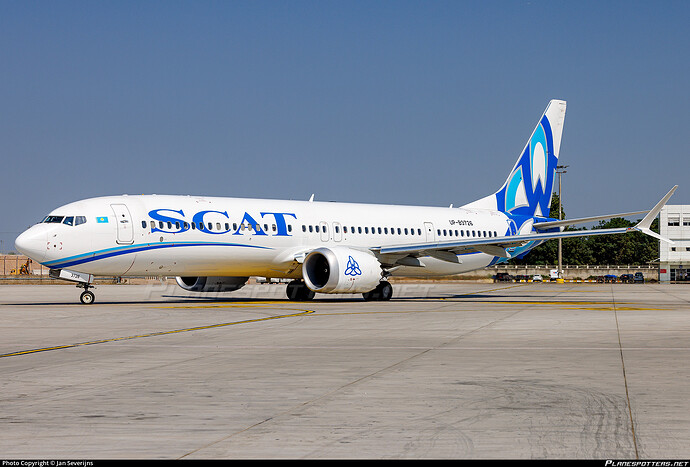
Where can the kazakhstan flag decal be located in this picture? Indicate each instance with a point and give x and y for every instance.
(102, 220)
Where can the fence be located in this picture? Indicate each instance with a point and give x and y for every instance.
(18, 265)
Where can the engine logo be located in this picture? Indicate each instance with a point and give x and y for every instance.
(352, 268)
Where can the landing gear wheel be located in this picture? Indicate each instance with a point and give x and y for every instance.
(299, 292)
(383, 292)
(87, 297)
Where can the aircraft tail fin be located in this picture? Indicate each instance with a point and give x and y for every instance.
(527, 190)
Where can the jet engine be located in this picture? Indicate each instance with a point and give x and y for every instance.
(341, 270)
(211, 284)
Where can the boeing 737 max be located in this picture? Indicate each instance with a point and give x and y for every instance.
(215, 244)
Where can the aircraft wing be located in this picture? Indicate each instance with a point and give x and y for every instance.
(500, 246)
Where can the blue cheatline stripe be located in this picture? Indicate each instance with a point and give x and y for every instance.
(124, 250)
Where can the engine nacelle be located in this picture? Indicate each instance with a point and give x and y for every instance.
(341, 270)
(211, 284)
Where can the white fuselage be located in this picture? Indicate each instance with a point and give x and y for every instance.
(155, 235)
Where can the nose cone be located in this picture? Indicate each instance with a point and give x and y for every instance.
(32, 243)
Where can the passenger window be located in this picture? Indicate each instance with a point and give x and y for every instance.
(311, 228)
(316, 228)
(185, 225)
(193, 225)
(169, 225)
(304, 228)
(289, 227)
(69, 220)
(217, 225)
(143, 224)
(366, 230)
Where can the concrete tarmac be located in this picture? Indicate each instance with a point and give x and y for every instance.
(453, 370)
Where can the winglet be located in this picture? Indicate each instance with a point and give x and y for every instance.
(645, 224)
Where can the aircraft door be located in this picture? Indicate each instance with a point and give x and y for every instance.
(323, 228)
(429, 231)
(125, 228)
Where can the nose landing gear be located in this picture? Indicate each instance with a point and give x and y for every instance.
(83, 282)
(87, 297)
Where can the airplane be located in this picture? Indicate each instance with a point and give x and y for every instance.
(214, 244)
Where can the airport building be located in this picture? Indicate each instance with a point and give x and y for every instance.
(674, 260)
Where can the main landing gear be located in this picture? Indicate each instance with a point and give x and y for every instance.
(299, 292)
(383, 292)
(87, 297)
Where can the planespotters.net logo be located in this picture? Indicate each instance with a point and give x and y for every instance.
(43, 463)
(646, 463)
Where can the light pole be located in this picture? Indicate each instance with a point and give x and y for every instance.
(560, 170)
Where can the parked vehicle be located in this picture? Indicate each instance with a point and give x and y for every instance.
(610, 278)
(503, 277)
(639, 278)
(627, 278)
(537, 278)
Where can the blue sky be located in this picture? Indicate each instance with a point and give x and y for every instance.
(400, 102)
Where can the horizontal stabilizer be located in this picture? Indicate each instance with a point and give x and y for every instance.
(497, 246)
(582, 220)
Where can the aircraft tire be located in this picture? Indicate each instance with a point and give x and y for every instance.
(299, 292)
(87, 298)
(383, 292)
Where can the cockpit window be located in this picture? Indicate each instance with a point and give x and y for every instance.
(67, 220)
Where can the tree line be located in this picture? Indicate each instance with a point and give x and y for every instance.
(629, 248)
